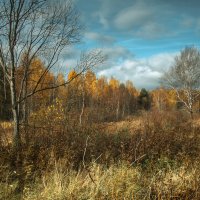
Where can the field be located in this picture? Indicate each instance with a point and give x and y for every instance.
(153, 155)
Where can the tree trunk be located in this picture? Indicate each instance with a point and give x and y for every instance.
(25, 121)
(199, 106)
(82, 109)
(16, 133)
(16, 154)
(117, 111)
(25, 112)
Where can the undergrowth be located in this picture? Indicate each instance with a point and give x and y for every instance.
(68, 161)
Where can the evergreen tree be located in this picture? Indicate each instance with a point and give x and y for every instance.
(144, 100)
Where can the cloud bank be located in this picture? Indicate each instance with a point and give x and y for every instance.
(144, 73)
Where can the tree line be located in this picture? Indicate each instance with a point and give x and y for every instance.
(96, 99)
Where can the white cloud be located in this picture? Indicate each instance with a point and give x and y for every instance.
(160, 62)
(117, 52)
(142, 72)
(133, 16)
(99, 37)
(143, 20)
(151, 30)
(102, 19)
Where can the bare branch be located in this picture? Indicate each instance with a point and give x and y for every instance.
(87, 61)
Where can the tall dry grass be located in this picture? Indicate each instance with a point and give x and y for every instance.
(157, 160)
(119, 181)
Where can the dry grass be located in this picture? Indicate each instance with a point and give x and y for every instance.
(116, 182)
(133, 124)
(6, 129)
(154, 156)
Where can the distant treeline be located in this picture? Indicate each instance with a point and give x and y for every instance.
(98, 99)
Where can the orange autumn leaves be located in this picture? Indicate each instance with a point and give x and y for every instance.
(109, 98)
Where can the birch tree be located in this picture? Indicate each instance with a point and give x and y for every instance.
(184, 77)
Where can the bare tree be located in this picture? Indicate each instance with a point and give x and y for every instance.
(184, 77)
(36, 28)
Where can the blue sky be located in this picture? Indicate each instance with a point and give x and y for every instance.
(140, 37)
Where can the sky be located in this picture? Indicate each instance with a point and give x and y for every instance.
(139, 37)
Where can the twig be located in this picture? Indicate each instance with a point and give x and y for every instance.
(138, 159)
